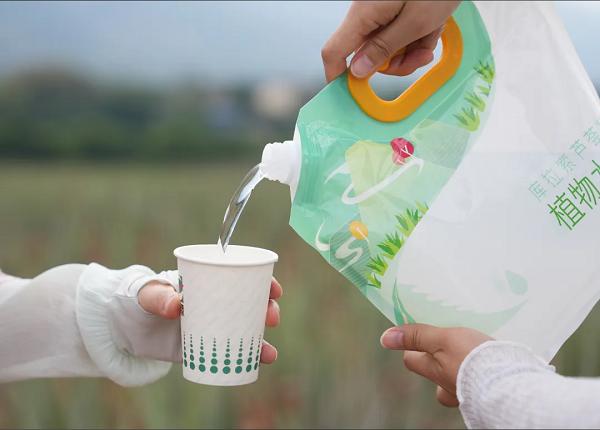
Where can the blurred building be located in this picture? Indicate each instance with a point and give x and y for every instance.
(277, 99)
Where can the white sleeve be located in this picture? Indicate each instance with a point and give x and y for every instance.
(78, 320)
(39, 336)
(504, 385)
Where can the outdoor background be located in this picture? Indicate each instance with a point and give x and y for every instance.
(124, 130)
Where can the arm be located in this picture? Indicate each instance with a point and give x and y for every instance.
(502, 385)
(496, 384)
(70, 321)
(38, 333)
(87, 320)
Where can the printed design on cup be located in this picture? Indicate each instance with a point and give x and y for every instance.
(239, 361)
(248, 358)
(192, 363)
(202, 359)
(227, 361)
(184, 353)
(181, 293)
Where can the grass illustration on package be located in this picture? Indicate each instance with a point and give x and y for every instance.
(366, 184)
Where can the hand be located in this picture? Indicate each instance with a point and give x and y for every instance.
(378, 30)
(435, 353)
(162, 300)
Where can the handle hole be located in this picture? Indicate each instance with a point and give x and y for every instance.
(389, 87)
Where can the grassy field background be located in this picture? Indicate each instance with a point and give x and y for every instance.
(331, 371)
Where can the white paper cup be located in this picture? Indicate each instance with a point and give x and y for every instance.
(225, 298)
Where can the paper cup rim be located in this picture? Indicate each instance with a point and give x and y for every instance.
(261, 256)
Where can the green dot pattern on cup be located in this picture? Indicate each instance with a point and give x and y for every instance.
(250, 355)
(219, 361)
(258, 350)
(202, 367)
(239, 360)
(214, 361)
(227, 361)
(192, 364)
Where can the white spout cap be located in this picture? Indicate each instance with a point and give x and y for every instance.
(281, 161)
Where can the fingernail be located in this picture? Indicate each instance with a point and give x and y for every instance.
(362, 66)
(392, 339)
(276, 282)
(275, 304)
(271, 349)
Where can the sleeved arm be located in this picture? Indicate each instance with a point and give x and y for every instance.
(504, 385)
(84, 320)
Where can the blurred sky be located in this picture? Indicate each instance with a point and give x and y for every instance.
(223, 42)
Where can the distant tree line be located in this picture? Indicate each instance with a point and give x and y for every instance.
(57, 115)
(54, 114)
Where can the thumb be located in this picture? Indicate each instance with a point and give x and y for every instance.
(413, 337)
(409, 26)
(362, 19)
(160, 299)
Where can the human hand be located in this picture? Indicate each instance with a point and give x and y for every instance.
(378, 30)
(162, 300)
(434, 353)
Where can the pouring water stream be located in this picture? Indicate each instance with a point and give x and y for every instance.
(237, 204)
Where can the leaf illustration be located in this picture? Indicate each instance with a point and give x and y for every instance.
(475, 101)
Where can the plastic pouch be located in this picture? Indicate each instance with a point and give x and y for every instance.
(472, 199)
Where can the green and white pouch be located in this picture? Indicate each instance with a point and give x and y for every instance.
(478, 209)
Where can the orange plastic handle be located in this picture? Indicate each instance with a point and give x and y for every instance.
(419, 91)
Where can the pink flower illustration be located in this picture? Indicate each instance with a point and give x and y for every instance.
(402, 148)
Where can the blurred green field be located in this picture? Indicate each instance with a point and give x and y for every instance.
(331, 372)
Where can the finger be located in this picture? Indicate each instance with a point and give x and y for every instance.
(276, 290)
(422, 364)
(411, 25)
(160, 299)
(446, 398)
(414, 337)
(418, 54)
(362, 19)
(268, 353)
(409, 62)
(273, 316)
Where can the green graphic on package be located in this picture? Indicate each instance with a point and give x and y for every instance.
(363, 185)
